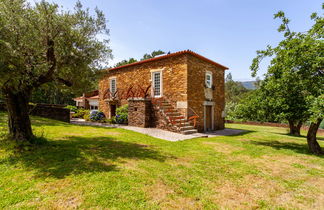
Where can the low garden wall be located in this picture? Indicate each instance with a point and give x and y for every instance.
(51, 111)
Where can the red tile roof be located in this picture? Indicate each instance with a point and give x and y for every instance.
(94, 97)
(82, 97)
(171, 55)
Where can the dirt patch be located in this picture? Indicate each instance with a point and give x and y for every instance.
(182, 203)
(245, 193)
(60, 197)
(167, 198)
(130, 164)
(159, 191)
(182, 161)
(281, 183)
(224, 148)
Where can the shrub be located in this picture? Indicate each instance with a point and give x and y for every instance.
(122, 115)
(97, 116)
(112, 120)
(72, 108)
(80, 113)
(87, 117)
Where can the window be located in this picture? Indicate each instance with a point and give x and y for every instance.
(157, 84)
(209, 80)
(93, 107)
(113, 87)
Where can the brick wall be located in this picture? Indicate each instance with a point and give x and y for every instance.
(174, 79)
(196, 90)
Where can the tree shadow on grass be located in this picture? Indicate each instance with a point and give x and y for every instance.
(77, 155)
(301, 137)
(298, 148)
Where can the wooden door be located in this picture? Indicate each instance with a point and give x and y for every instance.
(208, 118)
(112, 110)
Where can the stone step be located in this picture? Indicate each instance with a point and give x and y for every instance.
(167, 107)
(182, 124)
(188, 127)
(187, 132)
(173, 114)
(179, 119)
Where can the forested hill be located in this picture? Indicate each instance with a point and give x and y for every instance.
(249, 85)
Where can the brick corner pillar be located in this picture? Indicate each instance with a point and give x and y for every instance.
(139, 112)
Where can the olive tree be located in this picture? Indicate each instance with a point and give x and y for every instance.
(42, 43)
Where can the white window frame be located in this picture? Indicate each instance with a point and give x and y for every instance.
(110, 85)
(161, 82)
(210, 74)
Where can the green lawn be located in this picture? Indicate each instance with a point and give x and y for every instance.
(84, 167)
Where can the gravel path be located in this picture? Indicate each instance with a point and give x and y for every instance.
(161, 134)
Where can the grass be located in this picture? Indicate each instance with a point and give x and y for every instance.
(93, 167)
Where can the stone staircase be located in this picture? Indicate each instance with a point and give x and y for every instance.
(176, 118)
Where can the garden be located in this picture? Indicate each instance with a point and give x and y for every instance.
(98, 116)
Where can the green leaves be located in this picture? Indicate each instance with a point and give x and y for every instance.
(79, 44)
(295, 73)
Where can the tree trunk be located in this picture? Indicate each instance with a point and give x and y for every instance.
(295, 129)
(18, 116)
(313, 145)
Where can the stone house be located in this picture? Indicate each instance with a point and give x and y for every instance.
(181, 92)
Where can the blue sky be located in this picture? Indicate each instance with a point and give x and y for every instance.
(226, 31)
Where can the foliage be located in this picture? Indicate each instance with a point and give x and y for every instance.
(40, 44)
(86, 116)
(234, 93)
(254, 108)
(122, 114)
(145, 57)
(97, 116)
(296, 71)
(72, 108)
(316, 108)
(75, 51)
(80, 113)
(125, 62)
(153, 54)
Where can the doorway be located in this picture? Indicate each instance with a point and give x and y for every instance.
(112, 110)
(208, 117)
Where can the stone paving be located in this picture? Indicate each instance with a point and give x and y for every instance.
(161, 134)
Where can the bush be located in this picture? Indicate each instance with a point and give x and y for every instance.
(112, 120)
(97, 116)
(80, 113)
(87, 117)
(122, 115)
(72, 108)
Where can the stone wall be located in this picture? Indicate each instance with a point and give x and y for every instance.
(174, 79)
(160, 121)
(140, 112)
(196, 90)
(56, 112)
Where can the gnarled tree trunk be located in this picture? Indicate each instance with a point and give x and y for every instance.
(295, 128)
(18, 115)
(313, 145)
